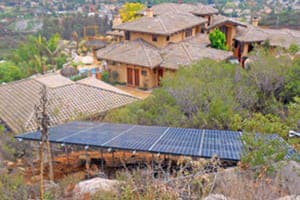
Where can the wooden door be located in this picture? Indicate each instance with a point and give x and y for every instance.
(129, 76)
(136, 77)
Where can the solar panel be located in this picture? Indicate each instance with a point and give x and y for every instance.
(179, 141)
(168, 140)
(224, 144)
(139, 138)
(97, 135)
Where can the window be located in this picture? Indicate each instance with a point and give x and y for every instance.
(154, 38)
(168, 38)
(188, 32)
(144, 72)
(127, 35)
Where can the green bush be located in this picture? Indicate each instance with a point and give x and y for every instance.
(294, 48)
(105, 76)
(10, 72)
(218, 39)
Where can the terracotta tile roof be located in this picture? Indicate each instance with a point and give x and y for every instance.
(139, 52)
(115, 33)
(277, 37)
(136, 52)
(250, 34)
(164, 24)
(283, 37)
(218, 20)
(91, 81)
(97, 44)
(188, 52)
(66, 101)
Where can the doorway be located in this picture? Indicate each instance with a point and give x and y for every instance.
(133, 77)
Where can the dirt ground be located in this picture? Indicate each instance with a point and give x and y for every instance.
(135, 92)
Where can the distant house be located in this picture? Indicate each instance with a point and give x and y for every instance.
(170, 35)
(68, 100)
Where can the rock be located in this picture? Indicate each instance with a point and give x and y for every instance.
(290, 177)
(94, 185)
(215, 197)
(292, 197)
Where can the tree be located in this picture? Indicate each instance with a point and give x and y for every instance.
(43, 122)
(128, 11)
(218, 39)
(9, 72)
(200, 96)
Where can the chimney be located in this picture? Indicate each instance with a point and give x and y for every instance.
(117, 20)
(149, 10)
(255, 21)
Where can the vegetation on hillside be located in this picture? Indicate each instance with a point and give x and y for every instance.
(36, 55)
(216, 95)
(128, 11)
(285, 18)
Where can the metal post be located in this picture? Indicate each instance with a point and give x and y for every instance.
(113, 158)
(102, 160)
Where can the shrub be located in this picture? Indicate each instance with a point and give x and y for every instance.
(218, 39)
(293, 48)
(105, 76)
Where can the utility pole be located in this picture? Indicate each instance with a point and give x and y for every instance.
(43, 122)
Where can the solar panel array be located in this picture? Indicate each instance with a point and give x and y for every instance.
(166, 140)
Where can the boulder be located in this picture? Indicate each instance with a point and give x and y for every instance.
(215, 197)
(290, 177)
(291, 197)
(90, 187)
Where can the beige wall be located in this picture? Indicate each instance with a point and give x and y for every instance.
(146, 81)
(162, 39)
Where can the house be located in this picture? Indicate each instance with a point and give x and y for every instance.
(250, 36)
(170, 35)
(149, 43)
(68, 100)
(140, 64)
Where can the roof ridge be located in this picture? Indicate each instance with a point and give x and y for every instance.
(162, 24)
(147, 56)
(174, 8)
(4, 84)
(107, 90)
(187, 52)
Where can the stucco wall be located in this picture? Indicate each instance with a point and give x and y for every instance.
(162, 39)
(147, 79)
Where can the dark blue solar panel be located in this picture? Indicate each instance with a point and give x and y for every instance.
(224, 144)
(139, 138)
(97, 135)
(179, 141)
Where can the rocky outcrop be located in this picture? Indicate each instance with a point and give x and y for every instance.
(290, 177)
(90, 187)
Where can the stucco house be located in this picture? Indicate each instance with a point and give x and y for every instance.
(170, 35)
